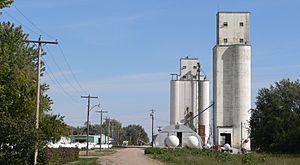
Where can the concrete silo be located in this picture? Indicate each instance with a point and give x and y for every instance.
(232, 79)
(183, 96)
(203, 118)
(189, 96)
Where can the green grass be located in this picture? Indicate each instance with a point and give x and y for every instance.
(85, 161)
(205, 157)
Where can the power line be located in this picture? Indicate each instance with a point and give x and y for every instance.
(54, 80)
(131, 113)
(33, 24)
(134, 121)
(42, 31)
(62, 52)
(160, 120)
(15, 19)
(61, 71)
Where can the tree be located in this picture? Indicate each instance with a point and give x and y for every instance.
(77, 130)
(275, 122)
(54, 127)
(5, 3)
(135, 134)
(18, 135)
(17, 140)
(115, 129)
(17, 96)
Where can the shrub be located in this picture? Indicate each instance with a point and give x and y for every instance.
(55, 156)
(153, 151)
(206, 157)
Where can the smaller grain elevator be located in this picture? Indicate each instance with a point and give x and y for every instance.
(189, 96)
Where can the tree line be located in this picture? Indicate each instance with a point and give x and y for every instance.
(134, 134)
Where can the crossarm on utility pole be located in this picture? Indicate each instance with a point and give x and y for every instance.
(41, 42)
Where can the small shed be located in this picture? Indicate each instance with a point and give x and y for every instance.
(92, 139)
(182, 132)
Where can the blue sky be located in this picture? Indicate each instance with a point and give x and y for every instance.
(124, 50)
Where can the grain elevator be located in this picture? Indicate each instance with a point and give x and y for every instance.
(189, 96)
(232, 79)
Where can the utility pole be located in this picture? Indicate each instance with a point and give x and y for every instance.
(108, 133)
(118, 135)
(101, 113)
(38, 86)
(152, 117)
(89, 97)
(105, 130)
(112, 130)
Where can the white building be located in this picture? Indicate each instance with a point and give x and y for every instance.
(232, 79)
(183, 133)
(92, 139)
(189, 96)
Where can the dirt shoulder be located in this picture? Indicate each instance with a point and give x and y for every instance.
(128, 156)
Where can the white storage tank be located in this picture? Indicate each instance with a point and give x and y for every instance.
(192, 142)
(172, 141)
(177, 136)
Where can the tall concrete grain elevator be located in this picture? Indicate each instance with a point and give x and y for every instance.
(232, 79)
(189, 96)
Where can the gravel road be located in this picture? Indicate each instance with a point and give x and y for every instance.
(128, 156)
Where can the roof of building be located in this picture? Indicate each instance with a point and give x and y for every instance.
(188, 58)
(233, 12)
(176, 127)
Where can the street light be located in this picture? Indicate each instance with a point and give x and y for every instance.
(88, 128)
(152, 117)
(101, 112)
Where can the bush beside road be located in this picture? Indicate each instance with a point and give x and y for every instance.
(207, 157)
